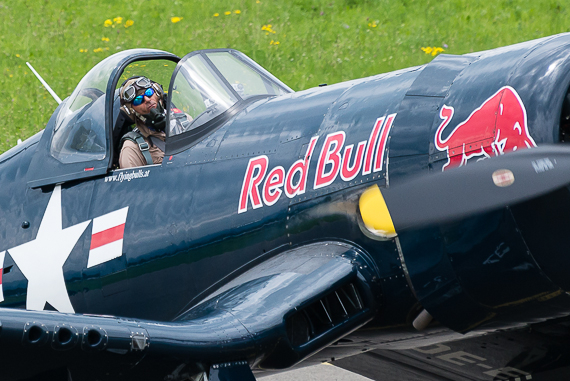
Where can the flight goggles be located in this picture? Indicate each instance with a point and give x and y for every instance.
(139, 99)
(130, 91)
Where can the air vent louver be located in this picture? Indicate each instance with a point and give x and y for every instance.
(324, 314)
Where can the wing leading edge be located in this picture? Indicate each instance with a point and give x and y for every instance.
(271, 317)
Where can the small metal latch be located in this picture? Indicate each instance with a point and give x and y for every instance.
(139, 342)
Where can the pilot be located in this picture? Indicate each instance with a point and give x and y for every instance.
(142, 103)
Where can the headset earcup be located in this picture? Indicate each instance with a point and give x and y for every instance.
(158, 88)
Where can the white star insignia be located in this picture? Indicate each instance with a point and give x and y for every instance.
(41, 260)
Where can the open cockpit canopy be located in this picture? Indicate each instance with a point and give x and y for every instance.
(210, 86)
(207, 87)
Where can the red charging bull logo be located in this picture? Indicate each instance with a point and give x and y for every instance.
(498, 126)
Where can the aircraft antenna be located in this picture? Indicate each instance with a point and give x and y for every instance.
(49, 89)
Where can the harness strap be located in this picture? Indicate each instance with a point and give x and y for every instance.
(136, 137)
(159, 143)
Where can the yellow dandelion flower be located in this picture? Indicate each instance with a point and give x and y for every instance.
(11, 75)
(436, 51)
(175, 19)
(17, 55)
(106, 39)
(271, 43)
(433, 51)
(118, 20)
(276, 43)
(237, 11)
(268, 29)
(216, 14)
(98, 50)
(227, 13)
(258, 2)
(108, 23)
(129, 23)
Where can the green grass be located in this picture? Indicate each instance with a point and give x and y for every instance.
(319, 41)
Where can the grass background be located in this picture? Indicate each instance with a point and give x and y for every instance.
(318, 41)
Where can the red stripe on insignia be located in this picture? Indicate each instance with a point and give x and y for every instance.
(89, 169)
(107, 236)
(1, 272)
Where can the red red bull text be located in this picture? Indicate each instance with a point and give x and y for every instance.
(368, 157)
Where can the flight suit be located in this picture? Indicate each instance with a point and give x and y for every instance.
(131, 155)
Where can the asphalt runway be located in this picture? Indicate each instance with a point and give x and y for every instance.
(322, 372)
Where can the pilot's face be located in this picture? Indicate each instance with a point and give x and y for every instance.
(147, 105)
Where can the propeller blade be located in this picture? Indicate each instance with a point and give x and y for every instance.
(476, 188)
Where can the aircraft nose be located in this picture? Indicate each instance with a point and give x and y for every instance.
(472, 240)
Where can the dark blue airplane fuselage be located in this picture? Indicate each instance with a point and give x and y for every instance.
(184, 238)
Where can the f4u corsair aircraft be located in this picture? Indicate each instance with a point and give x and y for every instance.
(285, 229)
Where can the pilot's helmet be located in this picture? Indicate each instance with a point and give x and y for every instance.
(132, 86)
